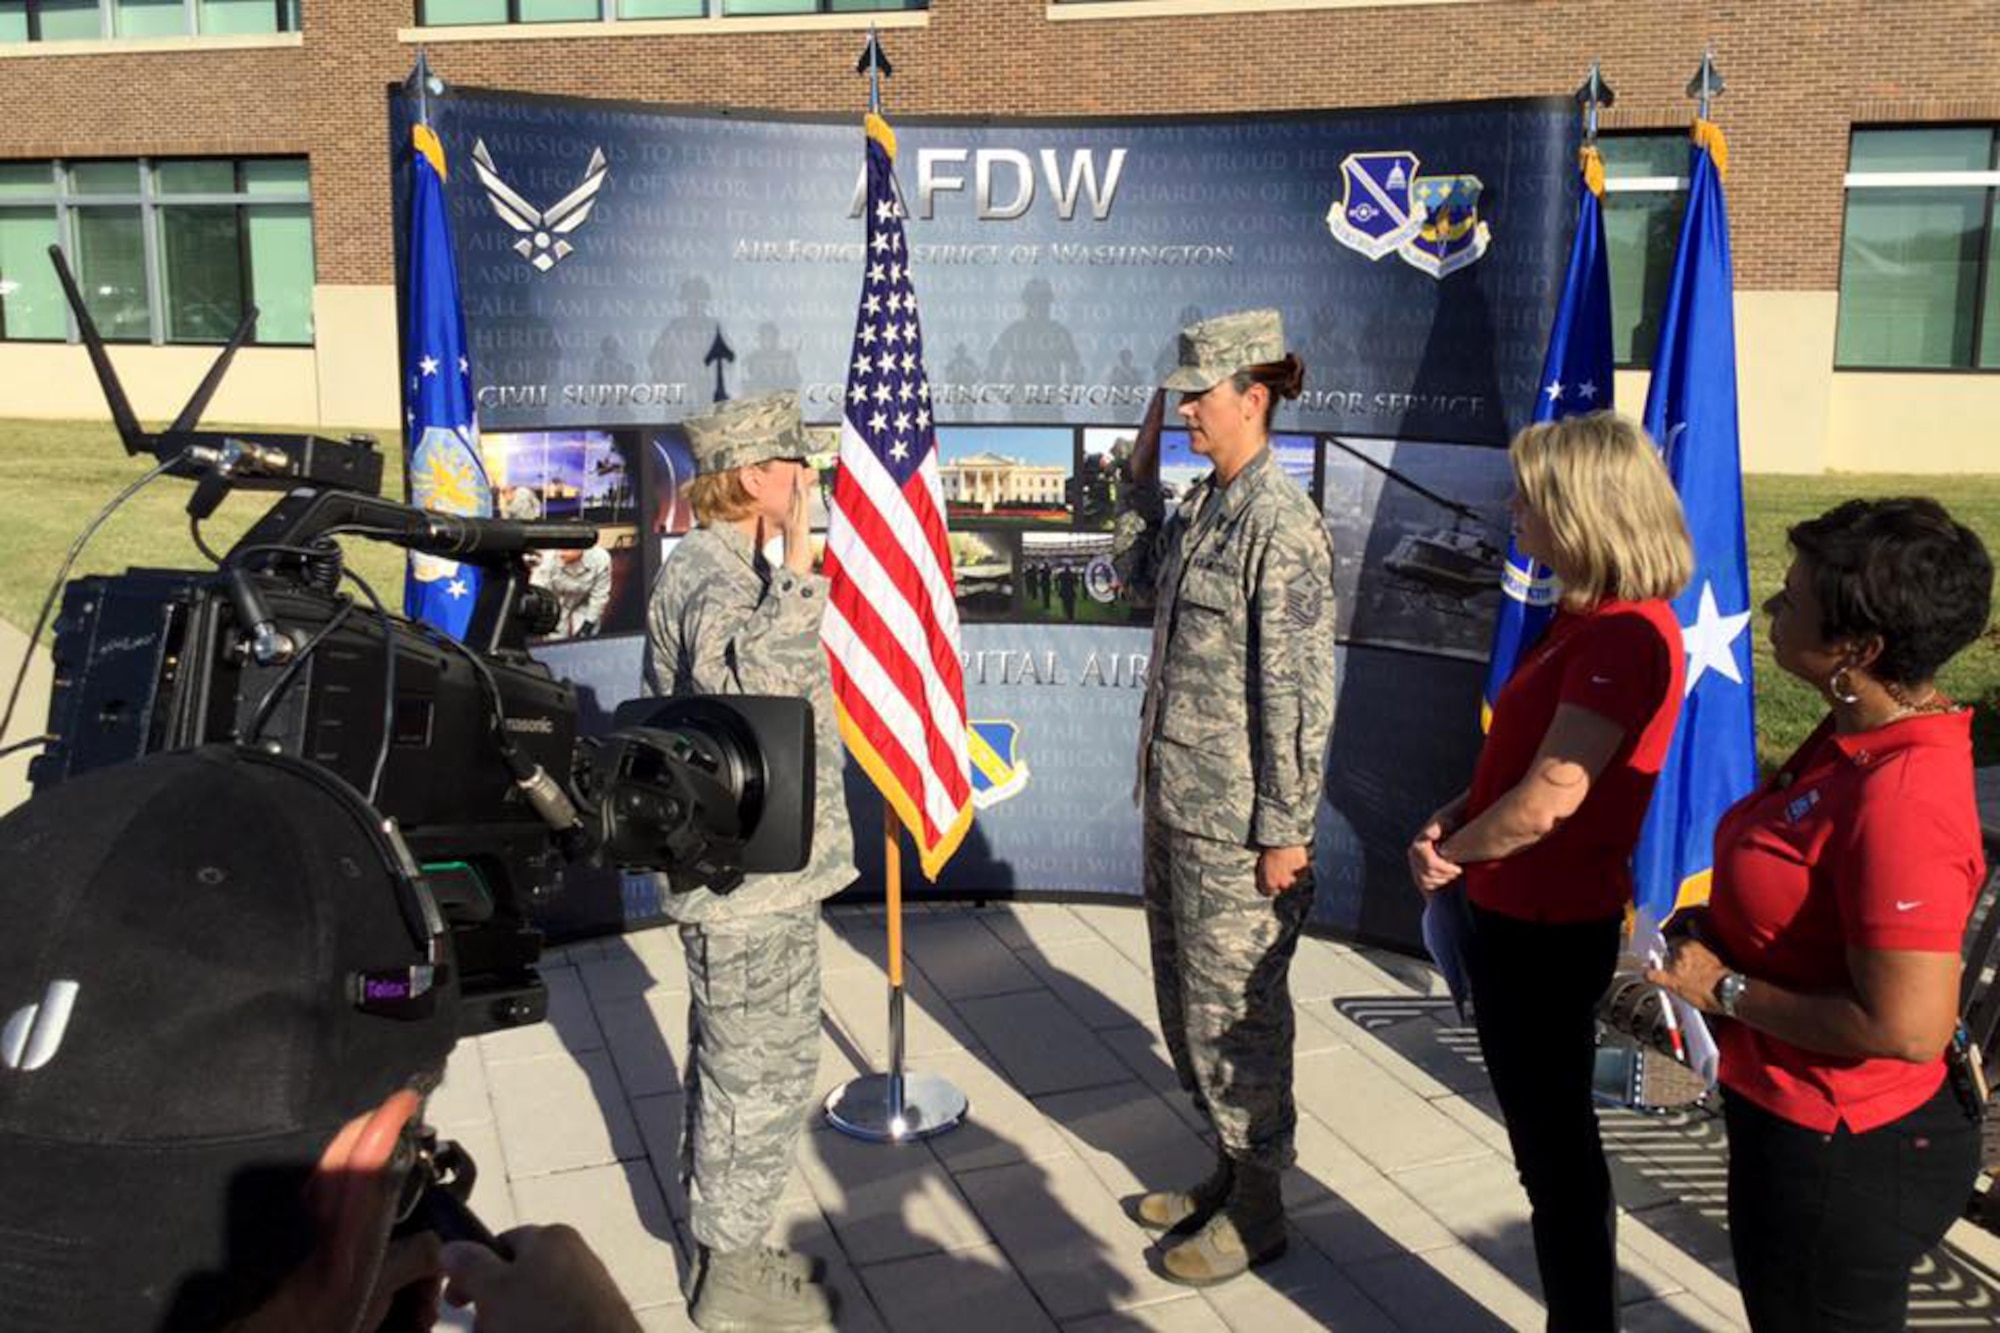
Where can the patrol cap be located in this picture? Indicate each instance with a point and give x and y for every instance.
(1215, 349)
(743, 431)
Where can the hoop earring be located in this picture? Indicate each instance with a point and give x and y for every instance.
(1841, 686)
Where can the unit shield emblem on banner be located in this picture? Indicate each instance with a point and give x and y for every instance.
(997, 771)
(1452, 234)
(1378, 213)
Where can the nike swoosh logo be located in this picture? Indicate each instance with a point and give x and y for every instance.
(1600, 680)
(1902, 906)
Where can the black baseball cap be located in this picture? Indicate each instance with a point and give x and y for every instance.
(210, 961)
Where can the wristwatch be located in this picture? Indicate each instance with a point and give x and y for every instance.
(1729, 992)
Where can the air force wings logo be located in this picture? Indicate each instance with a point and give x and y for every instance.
(541, 230)
(997, 771)
(1452, 235)
(1377, 214)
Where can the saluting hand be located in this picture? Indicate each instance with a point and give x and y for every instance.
(1144, 465)
(798, 532)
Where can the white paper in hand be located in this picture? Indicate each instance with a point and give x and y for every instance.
(1649, 942)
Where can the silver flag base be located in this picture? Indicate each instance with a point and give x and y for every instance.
(868, 1108)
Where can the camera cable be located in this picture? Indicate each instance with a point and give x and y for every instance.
(62, 577)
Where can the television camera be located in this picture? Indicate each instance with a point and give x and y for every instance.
(470, 748)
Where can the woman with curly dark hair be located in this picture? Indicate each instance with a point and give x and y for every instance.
(1831, 940)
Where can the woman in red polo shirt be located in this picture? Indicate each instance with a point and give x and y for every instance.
(1832, 935)
(1545, 834)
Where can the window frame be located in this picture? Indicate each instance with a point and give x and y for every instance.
(150, 202)
(107, 21)
(1989, 253)
(607, 12)
(1614, 185)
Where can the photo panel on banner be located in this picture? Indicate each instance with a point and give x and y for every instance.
(579, 476)
(1414, 254)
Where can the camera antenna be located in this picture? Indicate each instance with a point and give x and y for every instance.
(122, 415)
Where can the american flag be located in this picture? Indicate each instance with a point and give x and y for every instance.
(892, 630)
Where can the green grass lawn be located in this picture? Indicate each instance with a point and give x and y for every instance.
(56, 475)
(1788, 709)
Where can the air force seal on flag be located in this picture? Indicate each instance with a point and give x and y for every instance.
(1521, 584)
(1452, 235)
(997, 771)
(447, 477)
(1377, 214)
(542, 230)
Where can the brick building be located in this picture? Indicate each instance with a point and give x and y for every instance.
(186, 152)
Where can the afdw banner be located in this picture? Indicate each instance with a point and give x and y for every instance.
(625, 265)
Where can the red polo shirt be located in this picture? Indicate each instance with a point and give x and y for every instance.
(1622, 661)
(1869, 841)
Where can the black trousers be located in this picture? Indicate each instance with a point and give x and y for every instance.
(1535, 990)
(1826, 1227)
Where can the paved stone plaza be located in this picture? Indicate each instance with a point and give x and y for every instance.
(1405, 1211)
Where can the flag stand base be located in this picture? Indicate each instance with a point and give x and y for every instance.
(866, 1108)
(896, 1107)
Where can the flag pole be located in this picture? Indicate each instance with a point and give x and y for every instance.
(892, 868)
(896, 1106)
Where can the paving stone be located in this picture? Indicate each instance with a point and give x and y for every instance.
(969, 1291)
(1682, 1313)
(1123, 927)
(887, 1201)
(1128, 1137)
(1001, 1126)
(800, 1226)
(1040, 1045)
(964, 960)
(1347, 1209)
(1387, 1123)
(492, 1196)
(1026, 927)
(646, 1035)
(1189, 1314)
(560, 1113)
(463, 1097)
(1447, 1289)
(1302, 1290)
(571, 1026)
(860, 1000)
(1068, 1239)
(617, 1209)
(1096, 982)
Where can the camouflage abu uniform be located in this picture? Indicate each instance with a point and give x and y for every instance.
(1239, 700)
(723, 621)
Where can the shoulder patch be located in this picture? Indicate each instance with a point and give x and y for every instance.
(1305, 599)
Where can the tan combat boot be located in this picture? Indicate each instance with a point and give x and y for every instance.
(1185, 1210)
(1248, 1230)
(756, 1290)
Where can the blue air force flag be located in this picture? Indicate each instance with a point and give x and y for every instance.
(1576, 377)
(1691, 412)
(446, 473)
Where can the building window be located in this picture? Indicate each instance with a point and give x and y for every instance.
(1645, 192)
(167, 251)
(1917, 265)
(454, 13)
(93, 20)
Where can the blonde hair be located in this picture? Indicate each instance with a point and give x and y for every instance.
(719, 497)
(1613, 517)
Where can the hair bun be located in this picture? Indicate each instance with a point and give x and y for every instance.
(1293, 381)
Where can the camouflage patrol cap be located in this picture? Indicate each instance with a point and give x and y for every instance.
(743, 431)
(1215, 349)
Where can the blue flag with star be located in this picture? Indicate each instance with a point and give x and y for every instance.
(1576, 378)
(1691, 412)
(445, 470)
